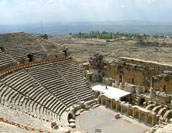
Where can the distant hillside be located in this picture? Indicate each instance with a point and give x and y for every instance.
(157, 49)
(24, 43)
(151, 28)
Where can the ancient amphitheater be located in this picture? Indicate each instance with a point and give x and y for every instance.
(43, 89)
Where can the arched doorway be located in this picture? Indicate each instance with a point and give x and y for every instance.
(168, 114)
(30, 57)
(142, 100)
(71, 116)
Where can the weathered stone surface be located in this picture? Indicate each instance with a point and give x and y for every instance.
(117, 116)
(71, 121)
(73, 125)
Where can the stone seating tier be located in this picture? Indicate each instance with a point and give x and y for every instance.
(45, 91)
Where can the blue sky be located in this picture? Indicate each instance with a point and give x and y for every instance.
(33, 11)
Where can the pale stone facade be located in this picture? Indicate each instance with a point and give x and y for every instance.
(149, 82)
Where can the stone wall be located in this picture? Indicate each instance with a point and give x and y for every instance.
(134, 76)
(134, 111)
(140, 72)
(137, 76)
(163, 82)
(150, 84)
(124, 72)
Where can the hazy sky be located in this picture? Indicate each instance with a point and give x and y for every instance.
(33, 11)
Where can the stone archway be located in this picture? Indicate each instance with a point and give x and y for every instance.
(71, 116)
(161, 112)
(168, 114)
(150, 106)
(30, 57)
(142, 100)
(157, 108)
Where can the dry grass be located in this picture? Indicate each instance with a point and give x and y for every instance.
(28, 43)
(82, 49)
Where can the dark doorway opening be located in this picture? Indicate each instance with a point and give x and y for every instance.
(71, 116)
(164, 88)
(132, 81)
(30, 57)
(90, 78)
(2, 49)
(65, 50)
(142, 100)
(124, 99)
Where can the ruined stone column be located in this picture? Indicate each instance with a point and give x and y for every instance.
(106, 103)
(153, 121)
(146, 117)
(139, 116)
(133, 112)
(121, 108)
(151, 91)
(101, 101)
(123, 81)
(111, 104)
(116, 106)
(127, 110)
(151, 83)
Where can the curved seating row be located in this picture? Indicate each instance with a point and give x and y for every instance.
(5, 60)
(79, 84)
(45, 91)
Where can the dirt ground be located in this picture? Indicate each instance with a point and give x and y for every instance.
(82, 49)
